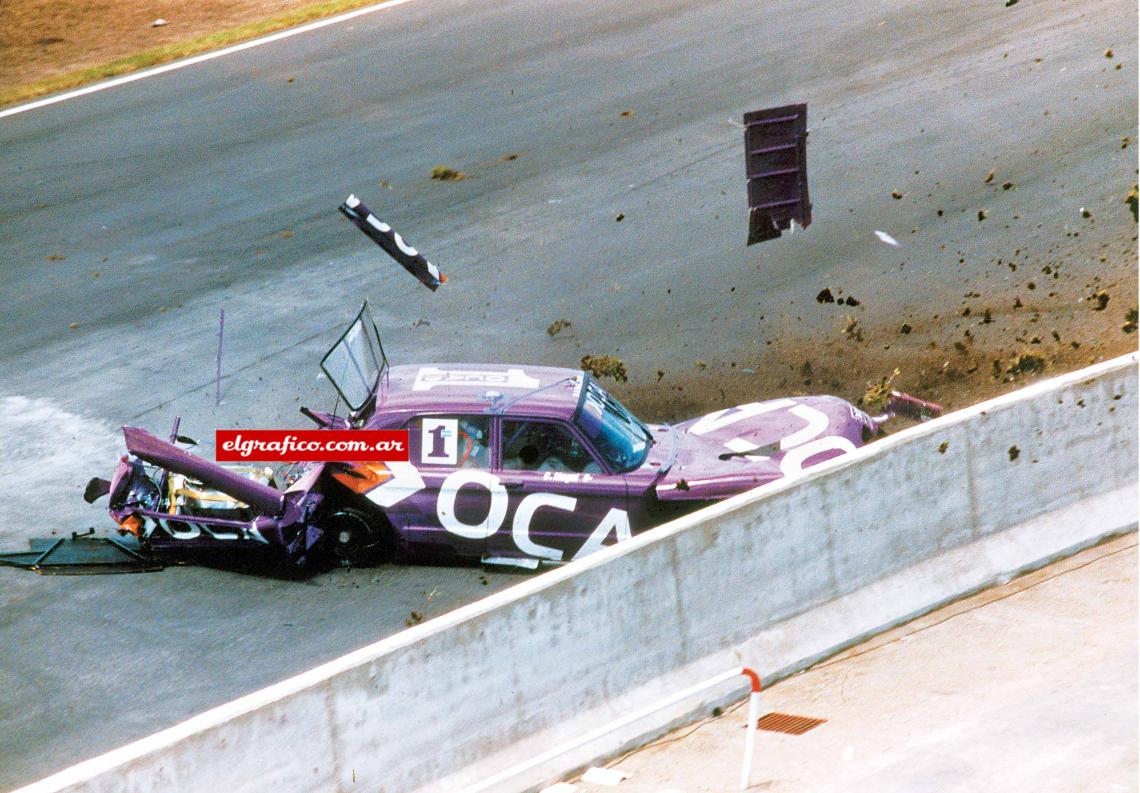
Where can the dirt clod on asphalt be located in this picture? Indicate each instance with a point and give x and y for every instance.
(605, 366)
(557, 326)
(444, 173)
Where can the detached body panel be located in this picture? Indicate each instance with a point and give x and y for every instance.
(775, 158)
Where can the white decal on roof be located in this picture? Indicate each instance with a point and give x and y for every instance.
(430, 376)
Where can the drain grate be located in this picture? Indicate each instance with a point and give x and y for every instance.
(787, 723)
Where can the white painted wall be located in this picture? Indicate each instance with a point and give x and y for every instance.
(775, 578)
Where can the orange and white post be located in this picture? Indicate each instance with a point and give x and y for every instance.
(750, 733)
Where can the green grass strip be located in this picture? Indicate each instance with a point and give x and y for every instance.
(180, 49)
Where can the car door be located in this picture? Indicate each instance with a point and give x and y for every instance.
(562, 501)
(459, 498)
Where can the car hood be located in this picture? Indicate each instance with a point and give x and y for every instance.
(733, 450)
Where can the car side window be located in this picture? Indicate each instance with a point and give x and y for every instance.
(542, 446)
(453, 441)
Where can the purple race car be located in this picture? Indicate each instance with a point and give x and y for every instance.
(513, 465)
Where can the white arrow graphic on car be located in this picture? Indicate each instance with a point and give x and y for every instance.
(405, 481)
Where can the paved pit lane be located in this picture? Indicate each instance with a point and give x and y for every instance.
(1027, 687)
(136, 214)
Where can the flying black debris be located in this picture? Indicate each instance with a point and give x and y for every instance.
(775, 158)
(393, 244)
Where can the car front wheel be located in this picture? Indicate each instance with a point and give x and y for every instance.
(354, 539)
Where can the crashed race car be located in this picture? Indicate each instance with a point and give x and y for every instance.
(507, 464)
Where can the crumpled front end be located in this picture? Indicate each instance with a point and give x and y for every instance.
(173, 501)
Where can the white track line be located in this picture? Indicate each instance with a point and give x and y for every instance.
(207, 56)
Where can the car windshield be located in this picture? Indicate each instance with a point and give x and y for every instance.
(615, 432)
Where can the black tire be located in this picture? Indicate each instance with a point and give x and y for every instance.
(354, 538)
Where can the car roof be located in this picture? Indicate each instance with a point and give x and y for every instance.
(537, 391)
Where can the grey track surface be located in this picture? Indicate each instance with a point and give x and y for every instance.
(177, 191)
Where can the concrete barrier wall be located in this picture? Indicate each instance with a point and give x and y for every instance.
(775, 578)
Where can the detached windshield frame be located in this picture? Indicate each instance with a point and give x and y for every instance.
(618, 435)
(357, 364)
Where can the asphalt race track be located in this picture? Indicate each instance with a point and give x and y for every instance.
(136, 214)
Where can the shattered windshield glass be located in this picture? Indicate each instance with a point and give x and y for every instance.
(355, 363)
(615, 432)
